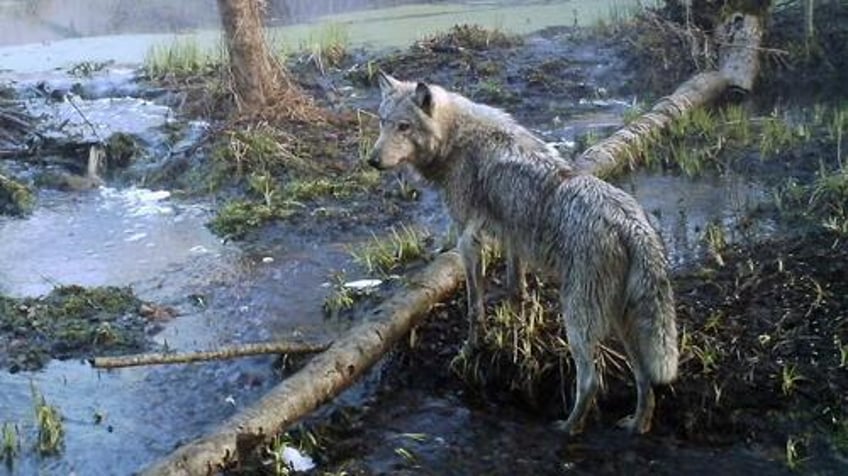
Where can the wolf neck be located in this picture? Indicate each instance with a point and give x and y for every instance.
(468, 131)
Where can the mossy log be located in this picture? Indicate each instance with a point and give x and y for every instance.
(327, 374)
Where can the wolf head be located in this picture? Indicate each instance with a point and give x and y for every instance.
(410, 124)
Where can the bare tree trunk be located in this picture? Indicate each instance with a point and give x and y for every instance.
(254, 73)
(348, 358)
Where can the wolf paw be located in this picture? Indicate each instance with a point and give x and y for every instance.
(632, 425)
(567, 427)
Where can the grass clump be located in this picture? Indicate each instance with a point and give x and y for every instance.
(522, 347)
(389, 253)
(822, 202)
(51, 433)
(11, 445)
(16, 199)
(470, 37)
(343, 295)
(182, 58)
(340, 298)
(239, 217)
(327, 45)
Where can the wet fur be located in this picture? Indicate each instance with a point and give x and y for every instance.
(497, 178)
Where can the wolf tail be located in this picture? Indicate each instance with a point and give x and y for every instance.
(650, 305)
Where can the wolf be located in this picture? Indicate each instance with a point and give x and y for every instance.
(498, 179)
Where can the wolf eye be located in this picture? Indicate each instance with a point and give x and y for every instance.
(403, 126)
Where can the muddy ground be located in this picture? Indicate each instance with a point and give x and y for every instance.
(773, 306)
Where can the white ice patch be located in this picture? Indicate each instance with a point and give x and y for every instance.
(297, 460)
(140, 201)
(135, 237)
(363, 284)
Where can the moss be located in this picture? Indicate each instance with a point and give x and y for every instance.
(472, 37)
(239, 217)
(70, 321)
(16, 199)
(121, 149)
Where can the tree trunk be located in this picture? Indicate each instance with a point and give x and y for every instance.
(256, 76)
(337, 368)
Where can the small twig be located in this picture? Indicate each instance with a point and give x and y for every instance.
(228, 353)
(93, 129)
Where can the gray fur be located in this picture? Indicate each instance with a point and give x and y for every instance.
(499, 179)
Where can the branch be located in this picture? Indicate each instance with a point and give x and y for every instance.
(186, 357)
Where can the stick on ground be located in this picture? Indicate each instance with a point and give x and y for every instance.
(228, 353)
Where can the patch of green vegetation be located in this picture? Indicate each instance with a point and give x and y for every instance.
(471, 37)
(182, 58)
(340, 298)
(522, 347)
(70, 321)
(716, 241)
(327, 45)
(256, 148)
(702, 140)
(492, 91)
(121, 149)
(86, 69)
(267, 201)
(235, 219)
(16, 199)
(11, 445)
(389, 253)
(51, 433)
(789, 378)
(776, 135)
(794, 451)
(823, 202)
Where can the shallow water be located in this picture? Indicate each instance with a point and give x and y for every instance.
(159, 246)
(682, 208)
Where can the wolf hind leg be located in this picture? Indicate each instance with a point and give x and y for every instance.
(640, 421)
(582, 321)
(470, 246)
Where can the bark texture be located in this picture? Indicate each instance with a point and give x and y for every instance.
(256, 76)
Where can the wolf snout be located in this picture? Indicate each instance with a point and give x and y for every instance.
(374, 160)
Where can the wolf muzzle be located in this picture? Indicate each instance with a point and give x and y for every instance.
(374, 159)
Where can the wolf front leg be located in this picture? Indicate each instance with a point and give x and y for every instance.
(515, 282)
(470, 246)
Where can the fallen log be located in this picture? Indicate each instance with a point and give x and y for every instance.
(327, 374)
(244, 350)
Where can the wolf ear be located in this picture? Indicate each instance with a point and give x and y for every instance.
(424, 98)
(387, 83)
